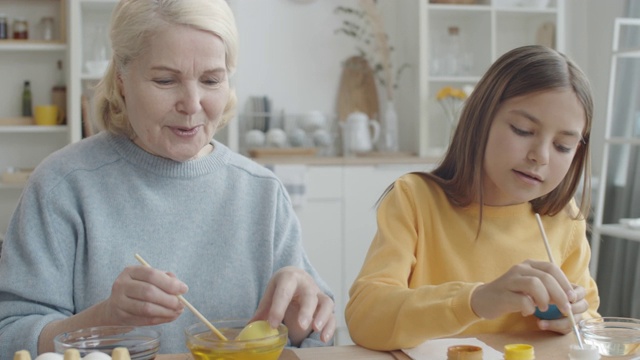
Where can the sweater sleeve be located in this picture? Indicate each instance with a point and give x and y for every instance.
(31, 260)
(384, 312)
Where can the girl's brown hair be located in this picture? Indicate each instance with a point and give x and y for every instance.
(521, 71)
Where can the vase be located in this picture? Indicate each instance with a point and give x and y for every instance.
(389, 129)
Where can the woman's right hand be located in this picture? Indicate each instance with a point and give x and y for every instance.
(523, 287)
(144, 296)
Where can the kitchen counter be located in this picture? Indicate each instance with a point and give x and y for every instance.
(347, 161)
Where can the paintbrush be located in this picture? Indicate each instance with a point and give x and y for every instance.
(574, 327)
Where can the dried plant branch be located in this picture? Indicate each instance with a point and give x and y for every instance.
(382, 43)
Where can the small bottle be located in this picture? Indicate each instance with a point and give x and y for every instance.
(59, 95)
(26, 100)
(518, 352)
(4, 27)
(47, 28)
(20, 28)
(453, 54)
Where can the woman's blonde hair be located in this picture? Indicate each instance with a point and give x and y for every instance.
(133, 24)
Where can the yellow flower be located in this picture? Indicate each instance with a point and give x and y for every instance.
(449, 91)
(451, 100)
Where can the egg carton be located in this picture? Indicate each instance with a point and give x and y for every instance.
(119, 353)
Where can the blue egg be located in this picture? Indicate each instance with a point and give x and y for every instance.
(552, 313)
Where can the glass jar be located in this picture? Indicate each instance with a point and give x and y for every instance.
(20, 28)
(4, 27)
(46, 24)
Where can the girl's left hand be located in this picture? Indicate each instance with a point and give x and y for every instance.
(293, 297)
(563, 325)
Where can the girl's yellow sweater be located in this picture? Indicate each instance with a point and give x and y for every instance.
(425, 261)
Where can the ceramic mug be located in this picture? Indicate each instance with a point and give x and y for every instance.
(45, 115)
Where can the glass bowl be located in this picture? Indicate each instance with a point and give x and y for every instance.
(612, 336)
(142, 343)
(204, 345)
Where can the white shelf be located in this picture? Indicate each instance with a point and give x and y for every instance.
(29, 45)
(455, 79)
(526, 10)
(620, 231)
(33, 129)
(458, 8)
(487, 31)
(600, 229)
(623, 140)
(629, 53)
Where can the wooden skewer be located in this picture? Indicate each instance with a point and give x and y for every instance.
(574, 327)
(190, 307)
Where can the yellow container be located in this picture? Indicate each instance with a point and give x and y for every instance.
(518, 352)
(46, 114)
(464, 352)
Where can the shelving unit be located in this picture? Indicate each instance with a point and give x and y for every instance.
(32, 59)
(488, 29)
(621, 137)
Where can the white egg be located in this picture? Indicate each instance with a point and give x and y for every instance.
(254, 138)
(96, 355)
(276, 138)
(297, 137)
(49, 356)
(322, 137)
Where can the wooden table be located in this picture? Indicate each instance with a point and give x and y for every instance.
(547, 346)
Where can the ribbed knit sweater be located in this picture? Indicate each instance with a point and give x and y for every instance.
(222, 223)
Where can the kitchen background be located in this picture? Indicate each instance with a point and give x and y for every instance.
(292, 66)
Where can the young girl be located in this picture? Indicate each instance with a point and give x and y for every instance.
(458, 250)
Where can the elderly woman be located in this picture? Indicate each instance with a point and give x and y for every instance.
(154, 182)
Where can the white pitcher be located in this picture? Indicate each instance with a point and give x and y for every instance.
(359, 133)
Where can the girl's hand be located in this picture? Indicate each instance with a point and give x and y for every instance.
(522, 288)
(563, 325)
(144, 296)
(292, 297)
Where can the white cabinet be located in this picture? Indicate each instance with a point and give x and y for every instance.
(487, 29)
(363, 186)
(321, 218)
(22, 144)
(338, 223)
(621, 141)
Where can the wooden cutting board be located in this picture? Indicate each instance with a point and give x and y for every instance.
(357, 91)
(546, 35)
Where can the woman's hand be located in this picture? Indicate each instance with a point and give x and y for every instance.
(139, 296)
(522, 288)
(564, 325)
(144, 296)
(292, 297)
